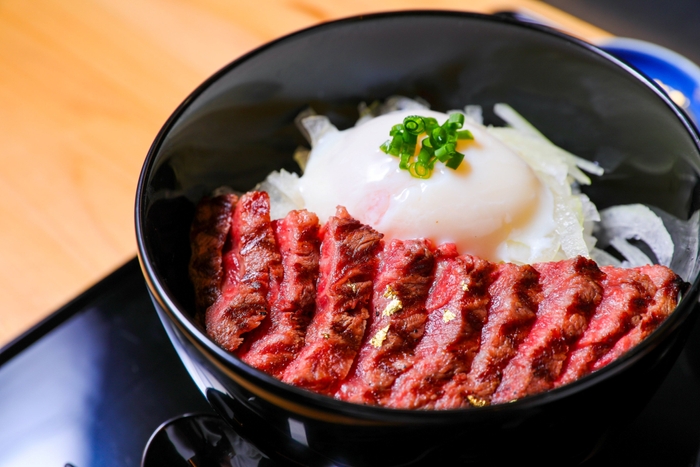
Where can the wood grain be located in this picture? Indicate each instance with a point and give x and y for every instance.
(84, 87)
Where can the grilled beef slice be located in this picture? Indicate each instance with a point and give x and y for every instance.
(627, 294)
(571, 292)
(397, 322)
(457, 306)
(280, 338)
(347, 268)
(210, 229)
(253, 264)
(668, 286)
(515, 295)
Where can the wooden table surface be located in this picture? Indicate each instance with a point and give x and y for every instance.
(84, 87)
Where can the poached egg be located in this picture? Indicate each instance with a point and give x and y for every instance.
(493, 205)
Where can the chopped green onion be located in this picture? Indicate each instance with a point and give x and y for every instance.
(457, 158)
(444, 153)
(409, 138)
(396, 145)
(430, 124)
(456, 120)
(438, 137)
(420, 170)
(440, 143)
(465, 134)
(414, 125)
(425, 156)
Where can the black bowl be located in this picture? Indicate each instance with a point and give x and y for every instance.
(238, 126)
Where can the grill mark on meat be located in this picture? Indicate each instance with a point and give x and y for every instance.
(254, 269)
(571, 292)
(457, 309)
(347, 267)
(278, 340)
(627, 294)
(404, 278)
(668, 286)
(515, 295)
(210, 229)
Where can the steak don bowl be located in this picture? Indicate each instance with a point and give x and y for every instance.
(238, 126)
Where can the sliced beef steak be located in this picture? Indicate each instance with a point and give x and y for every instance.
(254, 265)
(280, 338)
(457, 307)
(668, 287)
(571, 291)
(407, 325)
(210, 229)
(397, 322)
(627, 294)
(347, 268)
(515, 296)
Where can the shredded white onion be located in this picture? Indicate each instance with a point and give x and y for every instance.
(283, 189)
(391, 104)
(572, 211)
(635, 222)
(603, 258)
(515, 120)
(474, 113)
(684, 234)
(317, 126)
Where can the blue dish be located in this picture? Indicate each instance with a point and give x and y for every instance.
(676, 75)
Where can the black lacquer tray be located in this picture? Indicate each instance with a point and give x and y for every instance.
(90, 384)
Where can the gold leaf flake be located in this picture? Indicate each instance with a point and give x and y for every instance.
(465, 286)
(379, 337)
(352, 286)
(477, 402)
(448, 316)
(326, 335)
(390, 293)
(392, 307)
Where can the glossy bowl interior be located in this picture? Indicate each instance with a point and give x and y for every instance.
(238, 126)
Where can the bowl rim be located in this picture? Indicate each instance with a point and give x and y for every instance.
(301, 398)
